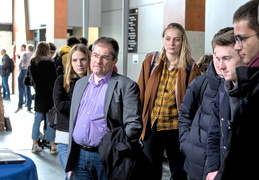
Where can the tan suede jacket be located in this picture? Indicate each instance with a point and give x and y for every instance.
(148, 85)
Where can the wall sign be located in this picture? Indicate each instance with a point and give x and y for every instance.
(133, 30)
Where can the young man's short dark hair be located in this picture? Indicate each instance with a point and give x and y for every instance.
(72, 40)
(83, 40)
(52, 46)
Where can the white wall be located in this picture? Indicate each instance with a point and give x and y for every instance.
(219, 14)
(75, 10)
(107, 14)
(150, 27)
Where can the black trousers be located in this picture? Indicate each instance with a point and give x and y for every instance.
(154, 146)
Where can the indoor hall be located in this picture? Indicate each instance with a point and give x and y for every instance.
(19, 140)
(201, 20)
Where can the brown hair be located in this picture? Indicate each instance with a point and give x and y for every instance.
(224, 39)
(221, 31)
(42, 51)
(204, 62)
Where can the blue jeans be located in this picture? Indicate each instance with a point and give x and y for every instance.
(62, 153)
(24, 90)
(50, 132)
(5, 85)
(89, 167)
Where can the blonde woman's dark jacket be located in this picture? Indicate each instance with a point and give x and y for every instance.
(44, 76)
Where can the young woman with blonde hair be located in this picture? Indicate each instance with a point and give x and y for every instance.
(78, 66)
(163, 80)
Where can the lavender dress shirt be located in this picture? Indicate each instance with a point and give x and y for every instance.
(91, 125)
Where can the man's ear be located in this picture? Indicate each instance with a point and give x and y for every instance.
(115, 60)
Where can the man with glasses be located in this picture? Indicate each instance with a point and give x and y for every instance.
(101, 101)
(244, 99)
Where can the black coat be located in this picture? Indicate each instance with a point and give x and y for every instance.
(44, 75)
(123, 160)
(5, 66)
(219, 130)
(62, 102)
(194, 126)
(242, 156)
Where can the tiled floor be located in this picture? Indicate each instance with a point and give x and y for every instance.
(19, 140)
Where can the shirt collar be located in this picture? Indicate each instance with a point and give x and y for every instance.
(105, 78)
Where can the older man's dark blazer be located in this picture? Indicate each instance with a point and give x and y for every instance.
(121, 108)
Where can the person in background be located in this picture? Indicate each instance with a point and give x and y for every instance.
(103, 100)
(228, 59)
(53, 49)
(19, 55)
(163, 80)
(22, 50)
(83, 41)
(90, 47)
(22, 88)
(64, 50)
(42, 139)
(204, 62)
(44, 75)
(244, 99)
(78, 66)
(5, 72)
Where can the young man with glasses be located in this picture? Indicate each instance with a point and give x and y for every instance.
(100, 102)
(244, 99)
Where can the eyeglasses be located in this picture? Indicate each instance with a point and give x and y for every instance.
(239, 39)
(103, 58)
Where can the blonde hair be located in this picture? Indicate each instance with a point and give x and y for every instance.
(70, 74)
(42, 51)
(184, 58)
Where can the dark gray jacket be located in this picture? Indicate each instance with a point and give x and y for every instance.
(121, 108)
(218, 132)
(242, 155)
(194, 126)
(5, 66)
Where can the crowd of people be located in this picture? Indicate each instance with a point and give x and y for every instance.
(200, 117)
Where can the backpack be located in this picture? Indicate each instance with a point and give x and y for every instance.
(58, 64)
(28, 80)
(203, 85)
(11, 65)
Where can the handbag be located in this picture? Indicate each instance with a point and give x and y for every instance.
(53, 117)
(28, 78)
(27, 81)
